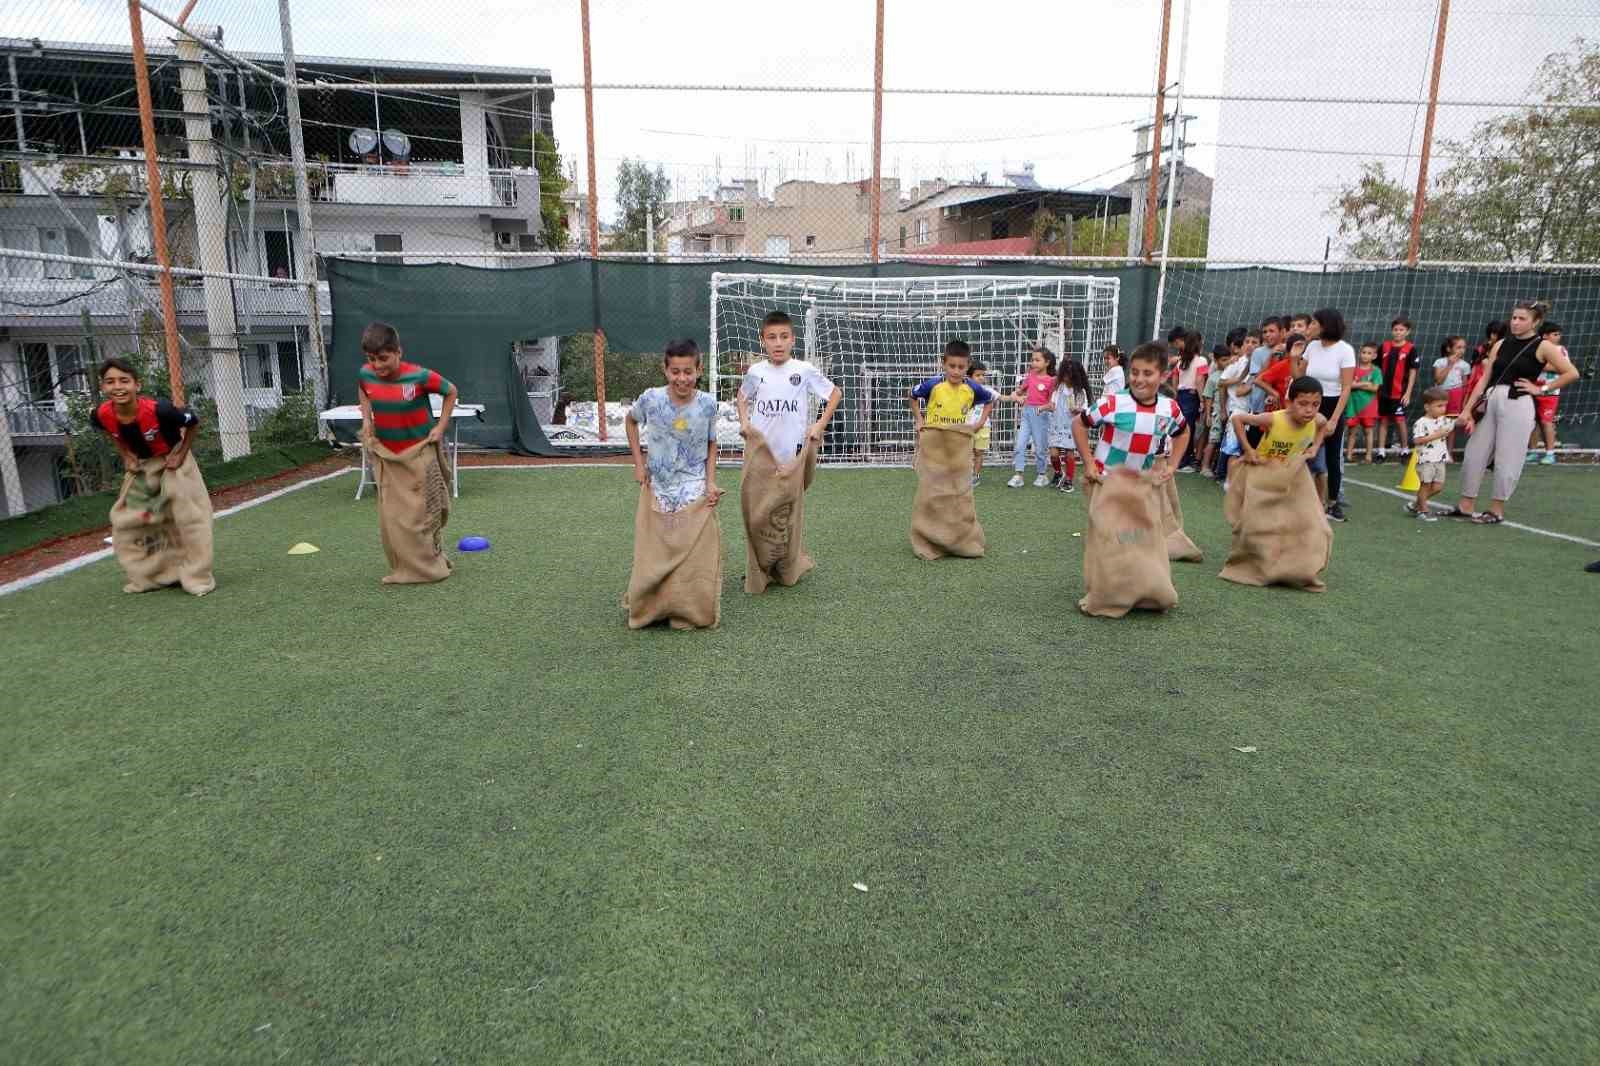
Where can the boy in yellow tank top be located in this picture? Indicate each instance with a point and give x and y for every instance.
(1297, 429)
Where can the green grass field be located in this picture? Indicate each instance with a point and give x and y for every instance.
(311, 819)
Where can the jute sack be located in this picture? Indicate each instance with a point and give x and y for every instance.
(161, 528)
(1179, 547)
(944, 519)
(1280, 534)
(677, 566)
(772, 501)
(1125, 564)
(413, 507)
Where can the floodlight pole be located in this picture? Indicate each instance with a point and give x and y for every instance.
(158, 210)
(594, 226)
(877, 137)
(1149, 245)
(1172, 167)
(1414, 246)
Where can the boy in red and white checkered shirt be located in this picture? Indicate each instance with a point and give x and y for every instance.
(1134, 426)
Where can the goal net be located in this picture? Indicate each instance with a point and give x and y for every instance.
(876, 338)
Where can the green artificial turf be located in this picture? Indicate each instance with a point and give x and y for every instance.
(312, 819)
(83, 513)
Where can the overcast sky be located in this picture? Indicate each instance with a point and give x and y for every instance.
(699, 137)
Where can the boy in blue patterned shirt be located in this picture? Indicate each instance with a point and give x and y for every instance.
(680, 434)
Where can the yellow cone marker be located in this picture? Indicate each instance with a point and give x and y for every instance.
(1410, 483)
(304, 549)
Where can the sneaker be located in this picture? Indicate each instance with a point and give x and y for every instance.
(1593, 568)
(1382, 456)
(1015, 482)
(1042, 481)
(1208, 472)
(1066, 486)
(1427, 516)
(1224, 487)
(1411, 507)
(975, 480)
(1548, 460)
(1335, 513)
(1531, 457)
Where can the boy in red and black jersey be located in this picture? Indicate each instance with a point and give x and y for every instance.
(1397, 361)
(142, 427)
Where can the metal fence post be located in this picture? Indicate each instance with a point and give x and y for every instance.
(1414, 245)
(302, 205)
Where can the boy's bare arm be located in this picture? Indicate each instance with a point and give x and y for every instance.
(436, 434)
(366, 416)
(640, 473)
(743, 407)
(916, 411)
(988, 409)
(713, 494)
(1240, 421)
(1080, 437)
(815, 433)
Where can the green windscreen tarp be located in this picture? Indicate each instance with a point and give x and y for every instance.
(463, 320)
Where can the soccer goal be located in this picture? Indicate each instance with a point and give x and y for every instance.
(878, 337)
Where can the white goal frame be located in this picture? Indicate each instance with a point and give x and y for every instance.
(1002, 316)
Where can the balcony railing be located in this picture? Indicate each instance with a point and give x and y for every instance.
(36, 419)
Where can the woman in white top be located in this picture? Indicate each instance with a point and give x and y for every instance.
(1114, 380)
(1331, 360)
(1189, 376)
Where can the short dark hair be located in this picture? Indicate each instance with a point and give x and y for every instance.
(776, 318)
(1302, 385)
(957, 349)
(1272, 320)
(1301, 316)
(1400, 320)
(1236, 335)
(1550, 327)
(976, 367)
(1221, 351)
(1369, 344)
(1177, 333)
(1150, 352)
(1332, 323)
(379, 337)
(683, 347)
(1437, 394)
(116, 362)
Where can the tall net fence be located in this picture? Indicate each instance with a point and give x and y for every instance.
(1153, 142)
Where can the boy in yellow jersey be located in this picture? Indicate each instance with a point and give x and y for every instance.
(949, 398)
(1297, 429)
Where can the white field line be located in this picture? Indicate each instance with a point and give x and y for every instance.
(95, 556)
(1508, 522)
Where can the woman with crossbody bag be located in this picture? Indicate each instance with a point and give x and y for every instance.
(1499, 417)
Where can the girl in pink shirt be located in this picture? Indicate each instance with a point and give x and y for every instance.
(1034, 394)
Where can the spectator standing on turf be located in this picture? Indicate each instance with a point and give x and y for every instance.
(1234, 388)
(1034, 426)
(1271, 345)
(1115, 378)
(1545, 406)
(1331, 360)
(1212, 405)
(978, 419)
(1362, 411)
(1397, 359)
(1430, 436)
(1451, 372)
(1070, 397)
(1509, 383)
(1189, 375)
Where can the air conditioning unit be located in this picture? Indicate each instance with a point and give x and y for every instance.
(506, 242)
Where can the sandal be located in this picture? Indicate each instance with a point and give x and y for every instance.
(1457, 512)
(1487, 518)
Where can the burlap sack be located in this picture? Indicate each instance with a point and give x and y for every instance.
(772, 501)
(1125, 564)
(413, 507)
(1280, 534)
(944, 519)
(677, 566)
(1180, 549)
(161, 528)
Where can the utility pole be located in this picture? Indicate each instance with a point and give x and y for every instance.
(302, 205)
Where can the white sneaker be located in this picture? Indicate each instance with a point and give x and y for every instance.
(1042, 481)
(1015, 482)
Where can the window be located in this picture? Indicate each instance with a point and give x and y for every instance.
(289, 374)
(922, 231)
(256, 363)
(279, 247)
(811, 240)
(736, 214)
(902, 238)
(38, 383)
(387, 242)
(71, 374)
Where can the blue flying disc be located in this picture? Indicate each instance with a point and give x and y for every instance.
(474, 544)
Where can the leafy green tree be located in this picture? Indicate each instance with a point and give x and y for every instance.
(640, 191)
(1520, 188)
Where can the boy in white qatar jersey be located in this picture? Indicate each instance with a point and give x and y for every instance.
(773, 398)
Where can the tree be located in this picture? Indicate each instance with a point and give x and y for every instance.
(546, 153)
(640, 194)
(1520, 188)
(1191, 235)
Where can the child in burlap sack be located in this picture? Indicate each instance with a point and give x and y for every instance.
(1125, 563)
(161, 522)
(781, 445)
(404, 443)
(944, 519)
(677, 544)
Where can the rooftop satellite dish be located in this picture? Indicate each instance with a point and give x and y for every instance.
(398, 144)
(363, 141)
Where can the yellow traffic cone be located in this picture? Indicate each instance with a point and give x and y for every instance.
(1410, 482)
